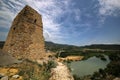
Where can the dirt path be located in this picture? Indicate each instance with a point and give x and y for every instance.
(61, 72)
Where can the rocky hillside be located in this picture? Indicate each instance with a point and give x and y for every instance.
(26, 70)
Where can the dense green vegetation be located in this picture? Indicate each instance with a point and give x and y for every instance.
(112, 70)
(104, 46)
(86, 54)
(86, 51)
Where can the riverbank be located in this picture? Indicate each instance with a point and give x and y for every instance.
(70, 58)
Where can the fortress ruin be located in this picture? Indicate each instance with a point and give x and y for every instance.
(25, 38)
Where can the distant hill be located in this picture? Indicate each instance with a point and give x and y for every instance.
(104, 46)
(55, 46)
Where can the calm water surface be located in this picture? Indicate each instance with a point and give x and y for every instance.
(89, 66)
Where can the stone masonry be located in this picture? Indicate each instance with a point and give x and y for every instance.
(25, 38)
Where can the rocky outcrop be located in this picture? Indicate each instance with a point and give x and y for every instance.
(116, 78)
(9, 74)
(61, 72)
(7, 59)
(25, 38)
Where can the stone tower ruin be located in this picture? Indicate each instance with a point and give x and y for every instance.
(25, 38)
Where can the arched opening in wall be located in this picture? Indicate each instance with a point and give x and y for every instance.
(35, 21)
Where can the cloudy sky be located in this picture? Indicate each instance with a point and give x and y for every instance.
(76, 22)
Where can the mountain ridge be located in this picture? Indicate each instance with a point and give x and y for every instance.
(52, 45)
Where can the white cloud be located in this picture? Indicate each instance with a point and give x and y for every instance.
(16, 2)
(6, 14)
(49, 9)
(6, 18)
(77, 14)
(109, 7)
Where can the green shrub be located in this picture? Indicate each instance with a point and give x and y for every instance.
(49, 65)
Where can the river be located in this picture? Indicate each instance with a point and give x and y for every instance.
(89, 66)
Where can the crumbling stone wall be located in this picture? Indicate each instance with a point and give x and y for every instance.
(25, 38)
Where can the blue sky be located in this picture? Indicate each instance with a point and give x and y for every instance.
(75, 22)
